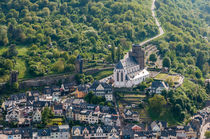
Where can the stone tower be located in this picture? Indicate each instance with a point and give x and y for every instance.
(138, 53)
(14, 76)
(79, 64)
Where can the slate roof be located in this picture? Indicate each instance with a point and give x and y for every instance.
(97, 83)
(47, 90)
(58, 107)
(44, 132)
(18, 96)
(82, 88)
(26, 132)
(126, 63)
(157, 84)
(41, 104)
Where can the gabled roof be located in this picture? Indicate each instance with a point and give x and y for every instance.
(97, 83)
(58, 107)
(44, 132)
(126, 63)
(18, 96)
(157, 84)
(47, 90)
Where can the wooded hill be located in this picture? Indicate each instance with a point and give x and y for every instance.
(72, 27)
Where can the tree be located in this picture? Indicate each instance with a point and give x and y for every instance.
(58, 66)
(12, 52)
(46, 115)
(156, 104)
(166, 62)
(170, 82)
(88, 97)
(113, 53)
(119, 52)
(46, 11)
(142, 86)
(200, 60)
(3, 35)
(153, 57)
(207, 134)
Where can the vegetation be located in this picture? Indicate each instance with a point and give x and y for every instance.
(47, 114)
(184, 46)
(93, 99)
(153, 57)
(207, 134)
(102, 74)
(53, 32)
(156, 105)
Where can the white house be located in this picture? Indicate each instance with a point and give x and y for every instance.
(158, 86)
(37, 116)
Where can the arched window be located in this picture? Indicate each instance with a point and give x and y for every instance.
(122, 76)
(118, 76)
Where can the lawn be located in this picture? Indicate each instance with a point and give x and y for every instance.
(22, 50)
(137, 96)
(164, 77)
(102, 74)
(21, 67)
(55, 121)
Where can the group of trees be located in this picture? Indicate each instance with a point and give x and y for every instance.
(52, 30)
(182, 102)
(98, 100)
(184, 47)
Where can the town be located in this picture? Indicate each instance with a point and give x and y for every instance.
(104, 69)
(92, 110)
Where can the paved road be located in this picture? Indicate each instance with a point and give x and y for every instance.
(204, 129)
(161, 31)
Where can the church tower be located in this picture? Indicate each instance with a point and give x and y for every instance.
(138, 54)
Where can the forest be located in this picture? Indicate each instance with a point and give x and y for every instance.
(38, 35)
(185, 43)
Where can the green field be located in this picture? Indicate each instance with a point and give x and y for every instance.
(102, 74)
(164, 77)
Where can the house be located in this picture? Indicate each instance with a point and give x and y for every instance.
(158, 86)
(41, 105)
(76, 132)
(158, 126)
(27, 133)
(64, 132)
(93, 118)
(131, 71)
(136, 128)
(81, 91)
(12, 133)
(58, 109)
(43, 134)
(102, 89)
(37, 116)
(109, 132)
(130, 115)
(18, 97)
(13, 115)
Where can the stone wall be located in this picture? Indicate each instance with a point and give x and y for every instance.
(48, 80)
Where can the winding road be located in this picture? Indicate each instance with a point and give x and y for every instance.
(161, 32)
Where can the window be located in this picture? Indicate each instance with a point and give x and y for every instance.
(122, 76)
(118, 76)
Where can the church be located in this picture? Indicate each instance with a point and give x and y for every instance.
(131, 71)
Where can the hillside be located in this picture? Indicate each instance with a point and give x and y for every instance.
(71, 27)
(185, 42)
